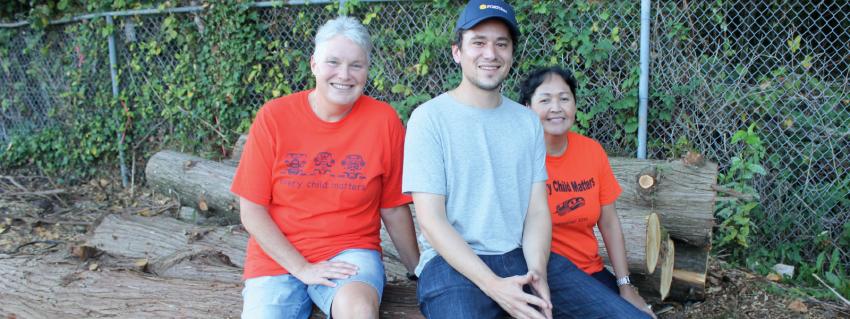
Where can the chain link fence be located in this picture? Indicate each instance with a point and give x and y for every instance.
(716, 68)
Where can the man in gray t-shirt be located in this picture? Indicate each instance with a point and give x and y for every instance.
(475, 164)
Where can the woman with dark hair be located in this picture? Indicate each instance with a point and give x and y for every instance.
(581, 186)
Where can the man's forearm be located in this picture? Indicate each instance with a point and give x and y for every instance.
(537, 231)
(433, 223)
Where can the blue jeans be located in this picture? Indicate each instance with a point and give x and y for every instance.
(607, 279)
(445, 293)
(575, 294)
(285, 296)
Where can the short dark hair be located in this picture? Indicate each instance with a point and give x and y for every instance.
(538, 76)
(458, 39)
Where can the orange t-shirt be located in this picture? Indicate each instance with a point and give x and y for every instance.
(580, 183)
(322, 183)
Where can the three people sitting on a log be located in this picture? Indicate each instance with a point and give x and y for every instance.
(322, 168)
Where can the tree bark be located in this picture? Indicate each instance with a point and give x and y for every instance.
(682, 195)
(642, 233)
(195, 181)
(237, 150)
(159, 237)
(34, 288)
(689, 272)
(657, 284)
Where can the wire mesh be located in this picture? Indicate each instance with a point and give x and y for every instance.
(716, 68)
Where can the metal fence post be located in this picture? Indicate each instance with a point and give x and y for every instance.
(113, 72)
(643, 90)
(341, 7)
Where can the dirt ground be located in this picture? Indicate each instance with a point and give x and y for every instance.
(38, 216)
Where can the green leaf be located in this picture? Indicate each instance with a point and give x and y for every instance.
(794, 44)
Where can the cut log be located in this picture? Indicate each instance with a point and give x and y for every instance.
(689, 272)
(236, 155)
(657, 284)
(159, 237)
(33, 288)
(682, 195)
(642, 233)
(196, 182)
(681, 192)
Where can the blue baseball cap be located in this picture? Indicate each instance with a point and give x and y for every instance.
(480, 10)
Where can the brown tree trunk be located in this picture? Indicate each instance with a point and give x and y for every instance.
(681, 194)
(657, 284)
(195, 181)
(36, 288)
(689, 273)
(642, 234)
(159, 237)
(237, 150)
(184, 251)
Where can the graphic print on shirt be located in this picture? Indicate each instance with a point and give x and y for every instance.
(352, 171)
(569, 205)
(295, 163)
(354, 165)
(322, 163)
(572, 203)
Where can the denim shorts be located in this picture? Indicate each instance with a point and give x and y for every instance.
(284, 296)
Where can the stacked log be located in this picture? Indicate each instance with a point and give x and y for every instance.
(649, 251)
(658, 283)
(659, 198)
(196, 182)
(643, 240)
(683, 194)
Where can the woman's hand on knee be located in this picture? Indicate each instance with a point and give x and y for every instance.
(323, 272)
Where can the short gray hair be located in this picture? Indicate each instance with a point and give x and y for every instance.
(348, 27)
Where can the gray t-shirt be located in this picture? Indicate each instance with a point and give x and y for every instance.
(483, 161)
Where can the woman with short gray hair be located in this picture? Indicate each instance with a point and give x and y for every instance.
(320, 171)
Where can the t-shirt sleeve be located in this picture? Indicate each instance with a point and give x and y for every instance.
(539, 154)
(609, 188)
(424, 169)
(253, 179)
(392, 195)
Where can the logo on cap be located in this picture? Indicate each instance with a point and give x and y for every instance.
(491, 6)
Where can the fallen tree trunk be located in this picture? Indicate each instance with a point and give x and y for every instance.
(60, 288)
(175, 249)
(196, 182)
(689, 272)
(33, 288)
(658, 283)
(159, 237)
(643, 234)
(681, 194)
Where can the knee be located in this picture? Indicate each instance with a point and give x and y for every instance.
(355, 300)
